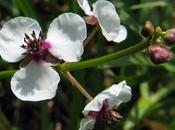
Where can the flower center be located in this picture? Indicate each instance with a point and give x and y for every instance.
(110, 116)
(37, 50)
(36, 47)
(105, 114)
(33, 45)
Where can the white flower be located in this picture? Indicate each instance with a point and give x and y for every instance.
(104, 104)
(21, 38)
(107, 18)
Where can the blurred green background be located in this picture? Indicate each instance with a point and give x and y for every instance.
(152, 106)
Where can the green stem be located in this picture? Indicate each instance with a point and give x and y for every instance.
(90, 63)
(76, 84)
(101, 60)
(91, 35)
(6, 74)
(45, 116)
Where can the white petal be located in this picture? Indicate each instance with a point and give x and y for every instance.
(12, 37)
(108, 18)
(85, 6)
(122, 34)
(66, 35)
(116, 94)
(87, 124)
(35, 82)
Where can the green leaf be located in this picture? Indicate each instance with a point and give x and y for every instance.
(144, 106)
(73, 6)
(26, 7)
(4, 123)
(172, 125)
(14, 128)
(169, 67)
(77, 104)
(149, 5)
(127, 19)
(45, 116)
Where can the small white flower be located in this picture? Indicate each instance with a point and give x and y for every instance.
(107, 17)
(103, 105)
(21, 38)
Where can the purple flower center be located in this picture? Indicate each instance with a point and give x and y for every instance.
(105, 114)
(36, 47)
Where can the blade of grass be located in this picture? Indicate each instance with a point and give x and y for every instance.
(77, 104)
(144, 106)
(4, 123)
(72, 6)
(26, 7)
(45, 116)
(149, 5)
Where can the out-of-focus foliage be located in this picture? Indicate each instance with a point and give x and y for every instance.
(152, 106)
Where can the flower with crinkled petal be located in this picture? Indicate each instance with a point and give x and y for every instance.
(107, 17)
(103, 105)
(21, 39)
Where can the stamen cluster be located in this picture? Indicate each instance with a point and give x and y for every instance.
(33, 45)
(109, 116)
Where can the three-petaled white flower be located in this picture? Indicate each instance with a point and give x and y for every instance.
(107, 17)
(103, 105)
(21, 38)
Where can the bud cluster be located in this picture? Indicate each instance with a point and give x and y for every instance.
(157, 50)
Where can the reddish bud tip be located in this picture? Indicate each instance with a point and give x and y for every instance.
(159, 54)
(92, 20)
(170, 36)
(148, 29)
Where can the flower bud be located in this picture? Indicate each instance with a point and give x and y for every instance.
(148, 29)
(159, 53)
(169, 38)
(92, 20)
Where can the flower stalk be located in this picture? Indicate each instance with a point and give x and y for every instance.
(91, 35)
(76, 84)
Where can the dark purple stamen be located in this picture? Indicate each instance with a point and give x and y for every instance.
(37, 50)
(35, 46)
(109, 116)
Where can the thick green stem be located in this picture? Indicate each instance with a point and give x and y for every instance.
(6, 74)
(101, 60)
(91, 63)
